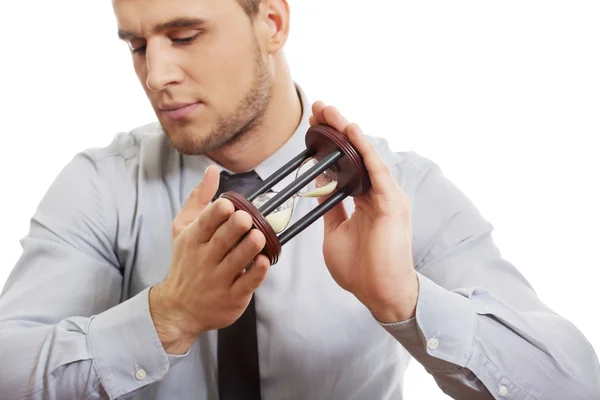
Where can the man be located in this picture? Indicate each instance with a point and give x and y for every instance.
(131, 273)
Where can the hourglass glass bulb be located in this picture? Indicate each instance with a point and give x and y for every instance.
(281, 216)
(322, 185)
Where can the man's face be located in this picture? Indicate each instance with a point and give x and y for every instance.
(199, 52)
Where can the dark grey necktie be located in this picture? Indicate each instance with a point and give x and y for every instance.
(237, 349)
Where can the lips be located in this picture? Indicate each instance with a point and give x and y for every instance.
(178, 110)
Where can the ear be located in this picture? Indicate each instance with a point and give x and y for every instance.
(273, 21)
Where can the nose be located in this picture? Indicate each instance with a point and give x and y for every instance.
(161, 67)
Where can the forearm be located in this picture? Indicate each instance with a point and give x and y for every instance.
(479, 324)
(46, 361)
(476, 345)
(109, 355)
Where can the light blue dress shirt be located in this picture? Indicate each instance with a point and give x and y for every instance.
(75, 324)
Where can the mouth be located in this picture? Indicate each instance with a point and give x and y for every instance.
(178, 110)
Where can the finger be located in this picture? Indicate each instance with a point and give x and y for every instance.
(251, 279)
(200, 197)
(312, 121)
(335, 119)
(334, 217)
(375, 165)
(243, 254)
(317, 112)
(229, 234)
(379, 173)
(211, 219)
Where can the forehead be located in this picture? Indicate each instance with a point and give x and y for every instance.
(142, 16)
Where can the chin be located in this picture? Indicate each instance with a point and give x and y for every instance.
(186, 139)
(189, 144)
(191, 141)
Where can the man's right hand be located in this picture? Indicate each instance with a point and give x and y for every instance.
(207, 286)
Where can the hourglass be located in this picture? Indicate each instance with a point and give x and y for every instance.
(330, 166)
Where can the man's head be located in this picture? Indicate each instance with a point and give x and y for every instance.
(218, 55)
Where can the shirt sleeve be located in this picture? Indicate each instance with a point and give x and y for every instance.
(480, 329)
(63, 331)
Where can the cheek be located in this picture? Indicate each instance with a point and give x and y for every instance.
(226, 68)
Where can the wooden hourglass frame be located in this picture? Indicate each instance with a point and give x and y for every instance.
(330, 148)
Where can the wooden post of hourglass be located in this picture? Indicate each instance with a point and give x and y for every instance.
(329, 147)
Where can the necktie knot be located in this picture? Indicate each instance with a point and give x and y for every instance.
(241, 183)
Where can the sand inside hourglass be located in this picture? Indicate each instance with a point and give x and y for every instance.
(281, 216)
(322, 190)
(279, 219)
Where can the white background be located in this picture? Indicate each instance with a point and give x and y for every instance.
(504, 96)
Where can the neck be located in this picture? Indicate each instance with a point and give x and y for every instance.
(279, 123)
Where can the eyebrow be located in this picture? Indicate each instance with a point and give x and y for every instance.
(176, 23)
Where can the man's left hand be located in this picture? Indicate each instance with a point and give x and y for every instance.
(370, 253)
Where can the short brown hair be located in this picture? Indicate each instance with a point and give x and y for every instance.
(250, 6)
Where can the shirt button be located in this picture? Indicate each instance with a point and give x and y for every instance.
(502, 390)
(433, 343)
(140, 374)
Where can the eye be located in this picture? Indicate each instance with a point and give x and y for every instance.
(137, 46)
(185, 37)
(139, 50)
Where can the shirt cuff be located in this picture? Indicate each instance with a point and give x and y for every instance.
(126, 349)
(442, 331)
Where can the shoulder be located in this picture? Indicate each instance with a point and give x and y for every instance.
(142, 153)
(132, 161)
(128, 146)
(408, 167)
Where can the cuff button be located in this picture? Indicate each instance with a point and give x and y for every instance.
(140, 374)
(502, 390)
(433, 343)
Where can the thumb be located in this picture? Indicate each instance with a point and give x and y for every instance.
(199, 199)
(334, 217)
